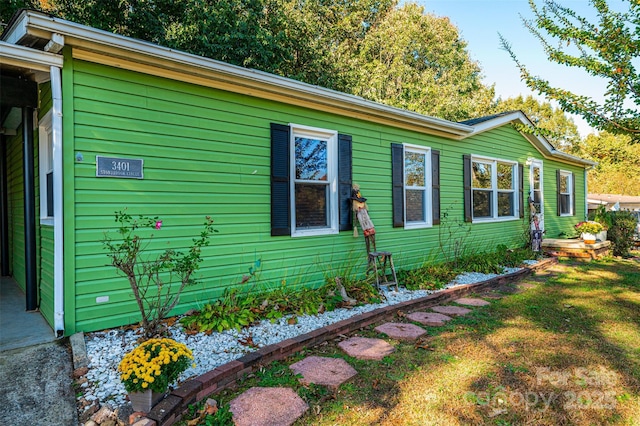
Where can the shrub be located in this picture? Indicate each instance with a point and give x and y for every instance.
(623, 225)
(156, 280)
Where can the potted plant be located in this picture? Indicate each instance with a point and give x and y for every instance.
(149, 369)
(588, 231)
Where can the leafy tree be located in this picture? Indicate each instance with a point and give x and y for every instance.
(418, 62)
(606, 49)
(397, 55)
(559, 129)
(618, 164)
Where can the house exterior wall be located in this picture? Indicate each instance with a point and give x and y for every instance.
(206, 152)
(44, 234)
(15, 189)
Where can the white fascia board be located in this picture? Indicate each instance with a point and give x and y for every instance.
(25, 57)
(540, 142)
(99, 40)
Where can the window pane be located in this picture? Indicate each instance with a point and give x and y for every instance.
(505, 176)
(415, 206)
(505, 204)
(311, 205)
(481, 175)
(482, 204)
(414, 167)
(536, 178)
(537, 197)
(564, 184)
(311, 159)
(565, 203)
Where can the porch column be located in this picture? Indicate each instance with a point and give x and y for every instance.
(31, 284)
(4, 210)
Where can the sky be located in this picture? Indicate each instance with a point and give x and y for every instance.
(480, 21)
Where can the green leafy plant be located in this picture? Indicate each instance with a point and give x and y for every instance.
(453, 237)
(157, 280)
(623, 226)
(601, 216)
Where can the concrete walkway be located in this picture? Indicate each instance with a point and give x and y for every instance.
(19, 328)
(36, 386)
(35, 368)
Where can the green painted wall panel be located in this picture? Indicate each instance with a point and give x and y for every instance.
(15, 197)
(45, 240)
(206, 152)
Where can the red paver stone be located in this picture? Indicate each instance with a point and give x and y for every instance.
(401, 331)
(429, 318)
(324, 371)
(451, 310)
(469, 301)
(267, 407)
(366, 348)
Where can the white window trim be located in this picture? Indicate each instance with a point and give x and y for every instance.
(45, 158)
(539, 164)
(570, 184)
(331, 136)
(495, 191)
(428, 223)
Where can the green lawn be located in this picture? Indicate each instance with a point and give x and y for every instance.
(562, 347)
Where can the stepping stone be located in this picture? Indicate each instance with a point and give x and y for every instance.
(401, 331)
(451, 310)
(366, 348)
(429, 318)
(331, 372)
(267, 407)
(470, 301)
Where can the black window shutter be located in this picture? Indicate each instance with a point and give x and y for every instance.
(397, 180)
(573, 194)
(344, 182)
(280, 191)
(435, 186)
(558, 196)
(466, 174)
(521, 189)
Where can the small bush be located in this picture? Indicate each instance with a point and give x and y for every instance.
(623, 225)
(427, 277)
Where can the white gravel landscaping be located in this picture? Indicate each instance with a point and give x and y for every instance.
(106, 349)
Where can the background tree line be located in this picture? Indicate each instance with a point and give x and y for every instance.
(381, 50)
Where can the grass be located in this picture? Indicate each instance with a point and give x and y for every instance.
(560, 348)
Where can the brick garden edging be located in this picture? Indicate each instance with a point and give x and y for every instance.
(170, 409)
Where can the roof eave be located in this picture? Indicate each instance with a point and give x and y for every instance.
(257, 83)
(540, 142)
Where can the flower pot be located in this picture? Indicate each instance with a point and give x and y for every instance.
(602, 235)
(144, 401)
(588, 238)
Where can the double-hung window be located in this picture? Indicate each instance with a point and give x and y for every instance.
(310, 181)
(417, 186)
(493, 189)
(566, 193)
(415, 174)
(314, 189)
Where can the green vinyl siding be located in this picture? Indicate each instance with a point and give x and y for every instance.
(15, 200)
(207, 152)
(44, 233)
